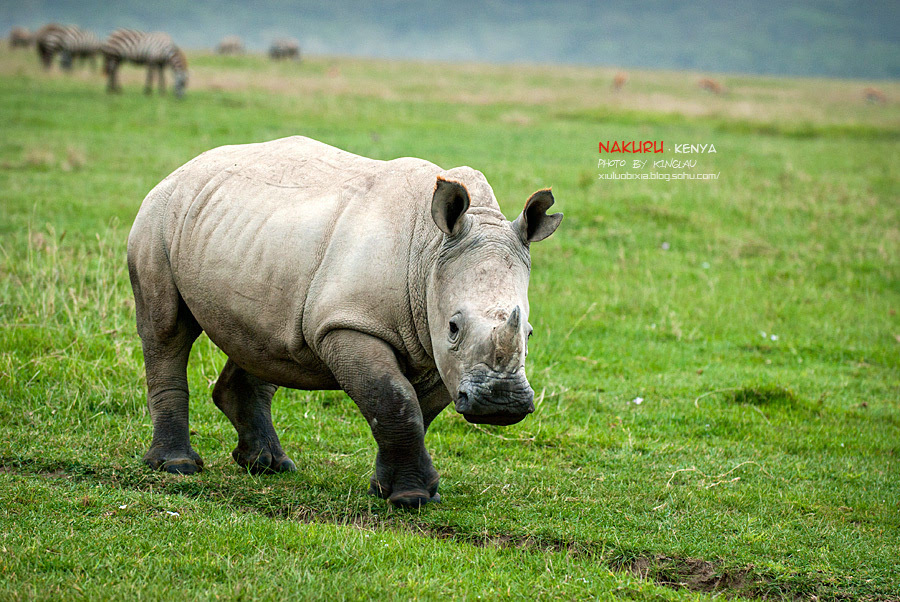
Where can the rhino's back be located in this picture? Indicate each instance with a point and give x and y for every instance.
(271, 243)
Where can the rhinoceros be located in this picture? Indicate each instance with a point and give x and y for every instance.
(312, 268)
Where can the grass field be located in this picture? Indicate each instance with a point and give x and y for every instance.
(755, 315)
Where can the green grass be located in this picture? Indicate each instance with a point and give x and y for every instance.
(754, 466)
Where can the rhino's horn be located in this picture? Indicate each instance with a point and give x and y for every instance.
(507, 340)
(513, 320)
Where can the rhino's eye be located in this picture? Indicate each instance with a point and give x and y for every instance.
(454, 330)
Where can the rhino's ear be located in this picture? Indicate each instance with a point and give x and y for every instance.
(449, 204)
(534, 224)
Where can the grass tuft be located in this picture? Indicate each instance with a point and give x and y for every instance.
(772, 396)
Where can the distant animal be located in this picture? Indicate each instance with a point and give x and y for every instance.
(230, 45)
(78, 43)
(711, 85)
(49, 41)
(19, 37)
(620, 80)
(156, 50)
(312, 268)
(874, 95)
(285, 48)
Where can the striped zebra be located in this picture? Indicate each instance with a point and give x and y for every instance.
(285, 48)
(48, 40)
(156, 50)
(78, 43)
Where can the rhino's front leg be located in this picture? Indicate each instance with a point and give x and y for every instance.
(367, 370)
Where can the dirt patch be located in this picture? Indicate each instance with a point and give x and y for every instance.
(681, 573)
(54, 474)
(691, 573)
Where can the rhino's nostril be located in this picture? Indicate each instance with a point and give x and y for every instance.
(463, 404)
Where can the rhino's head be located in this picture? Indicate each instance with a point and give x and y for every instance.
(478, 302)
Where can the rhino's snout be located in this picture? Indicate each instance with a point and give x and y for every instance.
(495, 399)
(463, 403)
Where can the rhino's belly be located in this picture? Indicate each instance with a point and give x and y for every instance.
(304, 371)
(243, 268)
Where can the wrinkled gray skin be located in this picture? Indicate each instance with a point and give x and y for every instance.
(312, 268)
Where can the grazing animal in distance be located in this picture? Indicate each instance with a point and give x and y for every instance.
(19, 37)
(156, 50)
(874, 95)
(398, 281)
(285, 48)
(49, 40)
(620, 80)
(711, 85)
(78, 43)
(230, 45)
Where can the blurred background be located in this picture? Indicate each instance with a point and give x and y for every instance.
(836, 38)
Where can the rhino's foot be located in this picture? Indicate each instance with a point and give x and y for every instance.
(175, 462)
(405, 494)
(413, 499)
(263, 460)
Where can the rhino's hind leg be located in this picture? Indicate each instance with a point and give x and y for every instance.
(404, 474)
(247, 401)
(167, 398)
(168, 330)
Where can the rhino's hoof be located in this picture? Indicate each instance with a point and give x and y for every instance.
(175, 462)
(183, 466)
(263, 462)
(413, 499)
(409, 495)
(283, 464)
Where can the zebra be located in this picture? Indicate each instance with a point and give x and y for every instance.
(156, 50)
(19, 37)
(230, 45)
(78, 43)
(284, 48)
(49, 40)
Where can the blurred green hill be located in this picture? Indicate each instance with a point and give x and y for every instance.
(838, 38)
